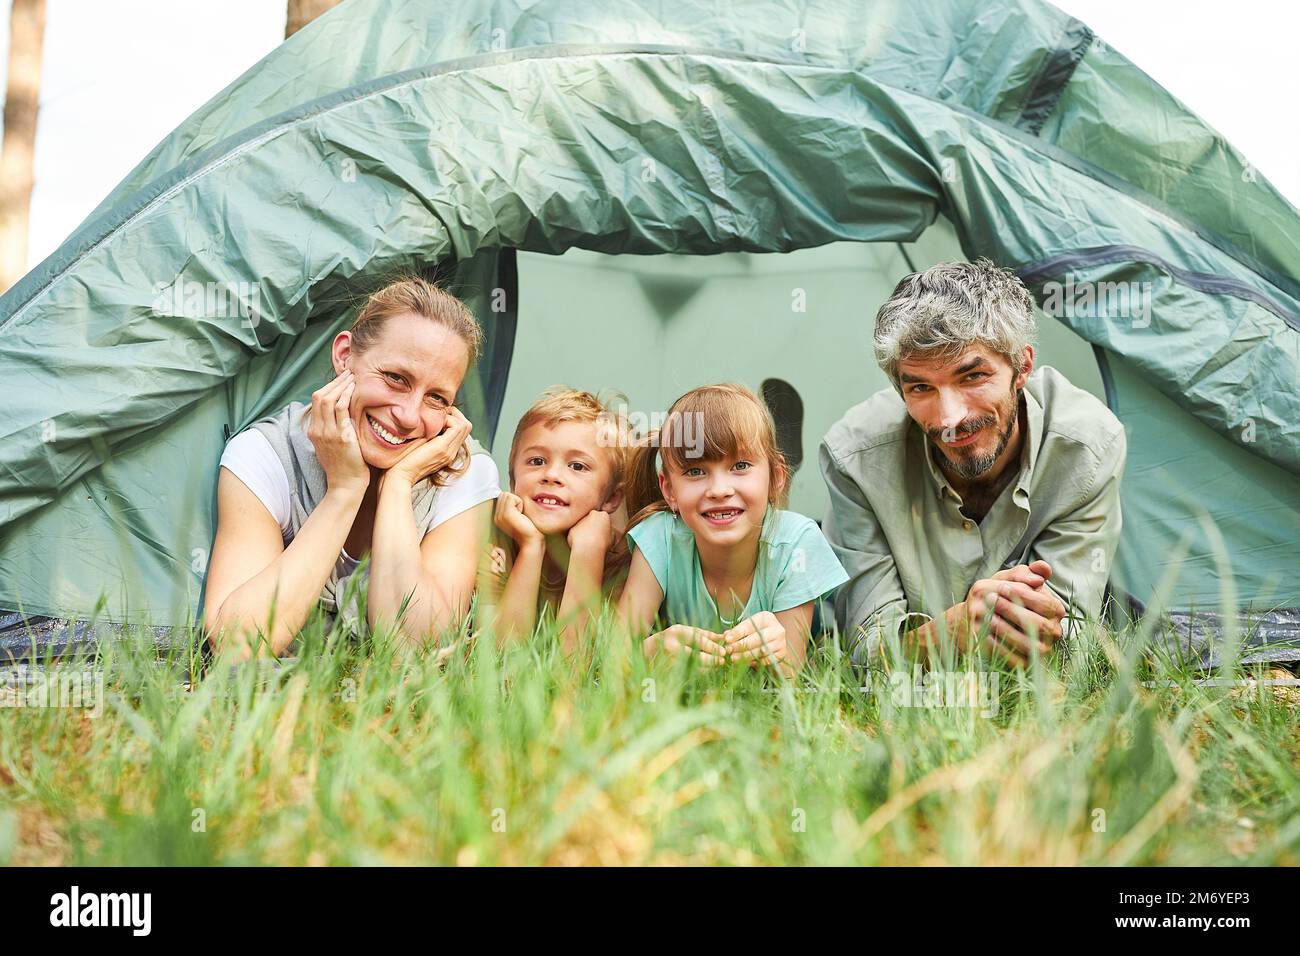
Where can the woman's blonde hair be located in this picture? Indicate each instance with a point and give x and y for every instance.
(414, 294)
(706, 424)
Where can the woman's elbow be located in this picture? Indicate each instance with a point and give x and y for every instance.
(242, 635)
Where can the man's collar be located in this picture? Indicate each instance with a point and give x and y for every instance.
(938, 481)
(1033, 442)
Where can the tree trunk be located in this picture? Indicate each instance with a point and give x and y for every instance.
(303, 12)
(22, 101)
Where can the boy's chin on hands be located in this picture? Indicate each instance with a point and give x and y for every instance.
(550, 522)
(593, 533)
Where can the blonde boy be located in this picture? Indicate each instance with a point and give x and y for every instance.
(554, 532)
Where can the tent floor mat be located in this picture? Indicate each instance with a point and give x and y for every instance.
(1271, 636)
(41, 638)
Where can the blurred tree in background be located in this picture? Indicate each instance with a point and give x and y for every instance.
(22, 102)
(303, 12)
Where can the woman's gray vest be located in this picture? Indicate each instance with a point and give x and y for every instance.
(307, 485)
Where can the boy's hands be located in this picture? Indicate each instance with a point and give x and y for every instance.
(684, 639)
(332, 434)
(593, 533)
(510, 518)
(760, 639)
(428, 456)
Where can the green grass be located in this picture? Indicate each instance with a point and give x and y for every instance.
(346, 755)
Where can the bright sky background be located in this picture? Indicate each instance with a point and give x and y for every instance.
(120, 74)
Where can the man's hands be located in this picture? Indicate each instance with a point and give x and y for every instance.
(760, 639)
(428, 456)
(1020, 614)
(511, 520)
(334, 437)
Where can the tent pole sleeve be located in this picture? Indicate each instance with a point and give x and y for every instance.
(1107, 379)
(906, 257)
(503, 341)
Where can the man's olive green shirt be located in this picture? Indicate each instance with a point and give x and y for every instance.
(895, 522)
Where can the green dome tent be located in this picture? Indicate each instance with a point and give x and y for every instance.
(605, 185)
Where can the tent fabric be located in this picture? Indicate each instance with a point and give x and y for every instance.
(408, 136)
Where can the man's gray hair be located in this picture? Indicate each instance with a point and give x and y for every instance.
(951, 306)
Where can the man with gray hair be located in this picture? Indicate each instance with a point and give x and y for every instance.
(976, 503)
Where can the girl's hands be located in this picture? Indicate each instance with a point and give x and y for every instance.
(683, 639)
(510, 518)
(760, 639)
(428, 456)
(333, 436)
(594, 533)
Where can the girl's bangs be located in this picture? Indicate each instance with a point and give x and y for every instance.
(712, 428)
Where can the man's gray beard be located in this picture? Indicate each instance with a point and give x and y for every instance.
(973, 469)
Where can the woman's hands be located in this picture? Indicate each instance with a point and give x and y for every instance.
(338, 448)
(510, 518)
(428, 456)
(332, 434)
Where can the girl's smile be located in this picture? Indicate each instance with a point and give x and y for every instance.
(722, 517)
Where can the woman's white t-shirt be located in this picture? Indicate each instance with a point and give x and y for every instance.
(251, 459)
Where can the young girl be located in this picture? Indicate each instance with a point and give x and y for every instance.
(552, 550)
(736, 575)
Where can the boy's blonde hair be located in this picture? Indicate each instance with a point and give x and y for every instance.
(560, 404)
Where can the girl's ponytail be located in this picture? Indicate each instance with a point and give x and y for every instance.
(642, 492)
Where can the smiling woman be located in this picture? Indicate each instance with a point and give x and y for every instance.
(381, 463)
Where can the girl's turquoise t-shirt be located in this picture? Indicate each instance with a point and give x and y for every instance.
(795, 565)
